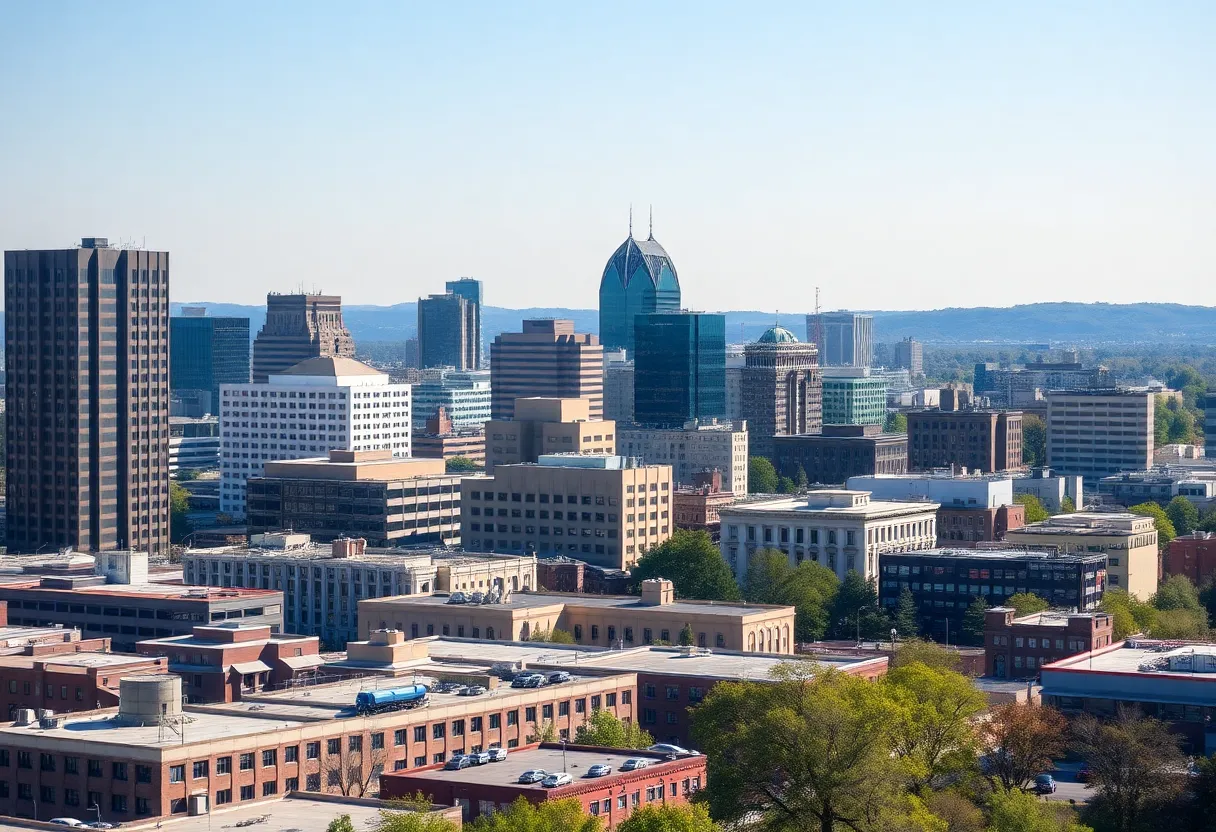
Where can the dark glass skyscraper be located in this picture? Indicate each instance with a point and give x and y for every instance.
(639, 278)
(679, 368)
(206, 352)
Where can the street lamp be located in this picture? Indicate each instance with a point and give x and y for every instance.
(563, 741)
(98, 809)
(893, 634)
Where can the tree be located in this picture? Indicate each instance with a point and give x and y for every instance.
(1026, 603)
(1024, 739)
(1165, 529)
(1129, 615)
(767, 571)
(1203, 796)
(1183, 514)
(761, 476)
(554, 636)
(668, 818)
(800, 478)
(811, 748)
(179, 506)
(1034, 440)
(604, 729)
(1135, 764)
(956, 811)
(686, 635)
(1013, 810)
(1035, 513)
(550, 816)
(462, 465)
(693, 564)
(896, 423)
(1180, 612)
(928, 653)
(415, 820)
(354, 773)
(907, 620)
(785, 485)
(973, 622)
(936, 723)
(855, 610)
(342, 823)
(810, 589)
(1067, 506)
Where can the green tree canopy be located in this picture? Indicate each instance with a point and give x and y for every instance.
(1180, 611)
(412, 821)
(554, 636)
(461, 465)
(785, 485)
(342, 823)
(1067, 506)
(1034, 441)
(800, 479)
(907, 619)
(936, 732)
(1183, 514)
(693, 564)
(896, 423)
(761, 476)
(668, 817)
(929, 653)
(1026, 603)
(973, 622)
(550, 816)
(1165, 529)
(810, 589)
(855, 610)
(1013, 810)
(1035, 513)
(1129, 615)
(686, 635)
(604, 729)
(179, 506)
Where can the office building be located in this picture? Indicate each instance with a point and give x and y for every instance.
(1159, 485)
(734, 382)
(464, 397)
(679, 368)
(696, 448)
(547, 360)
(547, 426)
(87, 415)
(1025, 387)
(973, 438)
(1015, 647)
(297, 328)
(782, 389)
(193, 443)
(449, 331)
(910, 355)
(698, 506)
(840, 452)
(944, 582)
(390, 501)
(321, 584)
(606, 510)
(974, 509)
(470, 289)
(840, 529)
(618, 387)
(440, 439)
(848, 338)
(853, 397)
(319, 405)
(1097, 433)
(1050, 488)
(205, 352)
(1128, 541)
(638, 279)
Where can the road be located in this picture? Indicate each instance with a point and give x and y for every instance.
(1067, 787)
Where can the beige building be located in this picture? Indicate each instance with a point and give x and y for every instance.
(596, 620)
(843, 530)
(547, 426)
(698, 447)
(1097, 433)
(547, 359)
(1129, 542)
(603, 509)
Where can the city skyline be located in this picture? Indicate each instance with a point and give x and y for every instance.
(900, 159)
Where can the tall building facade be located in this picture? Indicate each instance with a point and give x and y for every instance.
(639, 278)
(910, 355)
(86, 346)
(297, 328)
(679, 368)
(205, 352)
(974, 438)
(317, 406)
(848, 338)
(449, 329)
(782, 389)
(854, 398)
(464, 397)
(1097, 433)
(618, 387)
(547, 360)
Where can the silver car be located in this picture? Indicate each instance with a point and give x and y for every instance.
(533, 775)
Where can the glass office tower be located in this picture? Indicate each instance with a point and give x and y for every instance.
(680, 368)
(639, 278)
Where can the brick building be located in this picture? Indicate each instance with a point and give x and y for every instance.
(696, 507)
(1015, 647)
(976, 439)
(441, 440)
(964, 527)
(840, 452)
(1192, 555)
(563, 574)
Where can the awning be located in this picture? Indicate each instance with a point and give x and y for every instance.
(246, 668)
(302, 662)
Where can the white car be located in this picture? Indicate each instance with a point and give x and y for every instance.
(668, 748)
(557, 778)
(66, 822)
(497, 754)
(634, 763)
(533, 775)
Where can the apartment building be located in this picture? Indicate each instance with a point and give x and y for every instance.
(972, 438)
(1015, 647)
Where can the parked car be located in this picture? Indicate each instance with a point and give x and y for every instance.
(1084, 775)
(480, 758)
(533, 775)
(66, 822)
(458, 762)
(457, 598)
(559, 677)
(477, 597)
(1044, 784)
(473, 690)
(537, 680)
(101, 824)
(599, 770)
(634, 763)
(497, 755)
(446, 687)
(668, 748)
(558, 778)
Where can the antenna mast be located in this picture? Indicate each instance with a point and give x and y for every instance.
(816, 333)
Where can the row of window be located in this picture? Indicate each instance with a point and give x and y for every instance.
(48, 797)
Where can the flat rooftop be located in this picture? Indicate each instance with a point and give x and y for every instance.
(83, 660)
(532, 600)
(997, 554)
(102, 727)
(295, 812)
(156, 590)
(802, 505)
(14, 636)
(1142, 658)
(507, 772)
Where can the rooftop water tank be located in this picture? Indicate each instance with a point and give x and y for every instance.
(146, 699)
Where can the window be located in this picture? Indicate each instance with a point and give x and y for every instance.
(438, 730)
(223, 796)
(143, 774)
(312, 783)
(71, 797)
(333, 746)
(312, 750)
(291, 784)
(269, 787)
(118, 803)
(547, 711)
(673, 691)
(610, 700)
(420, 733)
(223, 765)
(475, 723)
(291, 754)
(247, 761)
(200, 769)
(354, 742)
(246, 792)
(46, 762)
(530, 714)
(580, 706)
(270, 757)
(142, 806)
(512, 717)
(177, 774)
(378, 740)
(399, 737)
(71, 765)
(46, 794)
(495, 721)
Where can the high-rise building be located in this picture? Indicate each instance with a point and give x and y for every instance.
(679, 368)
(449, 327)
(782, 389)
(848, 338)
(205, 352)
(639, 278)
(910, 355)
(1097, 433)
(86, 345)
(618, 387)
(547, 360)
(852, 396)
(297, 328)
(974, 438)
(319, 405)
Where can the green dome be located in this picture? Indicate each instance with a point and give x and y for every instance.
(778, 335)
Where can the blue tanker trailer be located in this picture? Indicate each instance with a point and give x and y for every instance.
(394, 699)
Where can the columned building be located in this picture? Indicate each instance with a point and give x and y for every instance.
(782, 389)
(639, 278)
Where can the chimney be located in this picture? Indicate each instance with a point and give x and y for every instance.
(657, 592)
(348, 547)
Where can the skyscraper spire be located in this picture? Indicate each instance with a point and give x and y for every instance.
(651, 222)
(631, 220)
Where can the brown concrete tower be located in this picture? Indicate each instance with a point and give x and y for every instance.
(297, 328)
(782, 389)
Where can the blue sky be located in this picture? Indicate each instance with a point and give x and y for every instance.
(899, 155)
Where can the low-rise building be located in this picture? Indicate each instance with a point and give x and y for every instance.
(563, 574)
(1050, 488)
(974, 509)
(385, 499)
(440, 439)
(464, 396)
(1015, 647)
(193, 443)
(697, 507)
(853, 396)
(841, 529)
(606, 621)
(840, 452)
(944, 582)
(1192, 555)
(547, 426)
(604, 509)
(1128, 541)
(701, 445)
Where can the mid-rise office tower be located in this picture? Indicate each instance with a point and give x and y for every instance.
(449, 329)
(206, 352)
(297, 328)
(548, 360)
(679, 368)
(848, 338)
(782, 389)
(638, 279)
(469, 288)
(87, 418)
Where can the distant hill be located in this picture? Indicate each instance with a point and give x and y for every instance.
(1056, 323)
